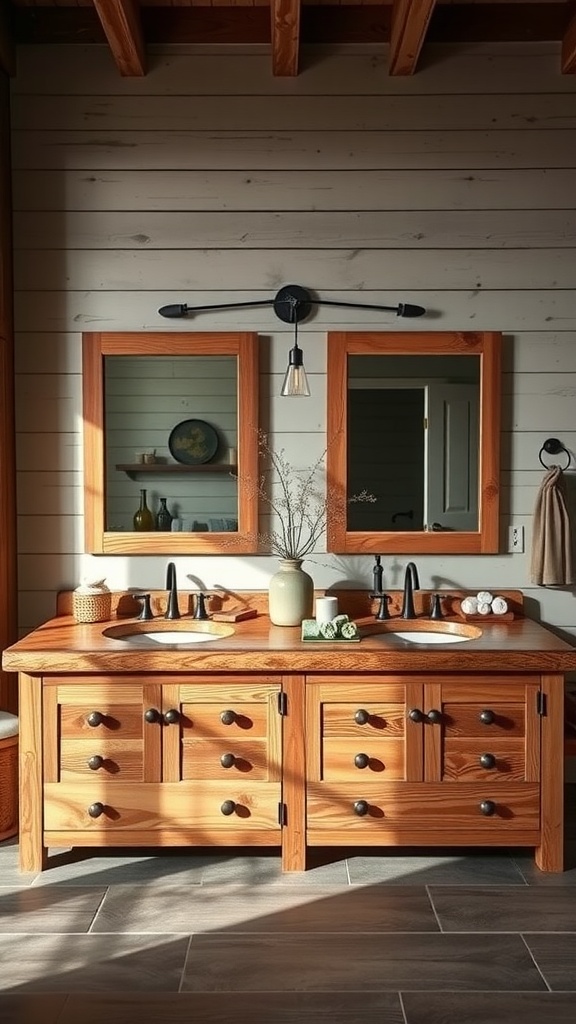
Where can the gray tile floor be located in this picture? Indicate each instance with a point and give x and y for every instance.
(362, 937)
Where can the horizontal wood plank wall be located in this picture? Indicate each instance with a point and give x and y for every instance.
(211, 181)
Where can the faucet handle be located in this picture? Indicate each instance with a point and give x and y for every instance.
(146, 611)
(200, 609)
(436, 609)
(382, 612)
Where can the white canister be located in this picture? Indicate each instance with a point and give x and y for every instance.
(326, 609)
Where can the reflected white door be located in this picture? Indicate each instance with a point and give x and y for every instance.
(451, 473)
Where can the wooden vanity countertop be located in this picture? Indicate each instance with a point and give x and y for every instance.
(62, 645)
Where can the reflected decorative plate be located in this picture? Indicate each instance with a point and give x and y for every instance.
(193, 442)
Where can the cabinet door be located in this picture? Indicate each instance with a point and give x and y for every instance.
(102, 742)
(361, 730)
(101, 729)
(222, 742)
(482, 729)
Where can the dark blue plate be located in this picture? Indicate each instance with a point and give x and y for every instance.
(193, 442)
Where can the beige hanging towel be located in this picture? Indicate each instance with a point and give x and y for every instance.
(552, 562)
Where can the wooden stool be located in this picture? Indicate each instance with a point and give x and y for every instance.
(8, 775)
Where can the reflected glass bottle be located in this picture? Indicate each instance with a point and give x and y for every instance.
(163, 517)
(143, 518)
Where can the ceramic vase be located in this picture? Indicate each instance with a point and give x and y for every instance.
(290, 594)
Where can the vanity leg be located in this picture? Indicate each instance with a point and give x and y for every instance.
(33, 854)
(294, 773)
(549, 855)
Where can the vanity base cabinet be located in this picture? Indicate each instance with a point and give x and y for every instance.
(293, 761)
(409, 760)
(132, 761)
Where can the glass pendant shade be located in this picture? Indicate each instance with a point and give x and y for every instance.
(295, 380)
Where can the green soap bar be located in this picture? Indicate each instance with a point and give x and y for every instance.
(310, 629)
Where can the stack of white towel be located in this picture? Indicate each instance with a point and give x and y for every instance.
(484, 603)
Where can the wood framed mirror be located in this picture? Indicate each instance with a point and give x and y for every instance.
(174, 414)
(414, 420)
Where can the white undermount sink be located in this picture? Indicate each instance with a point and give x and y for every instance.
(168, 632)
(418, 631)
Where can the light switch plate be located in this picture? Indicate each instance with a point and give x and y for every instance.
(515, 539)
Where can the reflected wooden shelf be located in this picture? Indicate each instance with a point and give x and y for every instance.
(177, 467)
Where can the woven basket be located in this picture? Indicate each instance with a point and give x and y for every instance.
(91, 607)
(8, 787)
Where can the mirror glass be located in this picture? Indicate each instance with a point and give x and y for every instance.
(413, 420)
(170, 426)
(170, 430)
(425, 475)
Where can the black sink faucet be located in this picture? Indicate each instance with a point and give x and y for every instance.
(411, 583)
(172, 609)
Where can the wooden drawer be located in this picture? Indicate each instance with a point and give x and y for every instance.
(462, 760)
(205, 719)
(423, 807)
(161, 806)
(338, 719)
(123, 760)
(464, 719)
(385, 759)
(126, 719)
(202, 759)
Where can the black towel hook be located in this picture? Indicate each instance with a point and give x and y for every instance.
(552, 446)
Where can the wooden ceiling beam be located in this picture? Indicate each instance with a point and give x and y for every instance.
(285, 34)
(122, 26)
(410, 20)
(569, 48)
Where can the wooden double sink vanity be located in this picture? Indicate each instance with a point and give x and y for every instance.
(258, 738)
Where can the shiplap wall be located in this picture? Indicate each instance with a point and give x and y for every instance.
(209, 180)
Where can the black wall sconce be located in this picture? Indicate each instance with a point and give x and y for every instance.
(292, 304)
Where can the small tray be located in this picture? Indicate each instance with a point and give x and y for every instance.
(491, 617)
(327, 640)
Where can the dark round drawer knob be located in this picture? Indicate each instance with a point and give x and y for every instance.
(228, 807)
(95, 762)
(434, 716)
(172, 716)
(361, 807)
(95, 810)
(228, 718)
(361, 717)
(487, 760)
(488, 808)
(487, 717)
(152, 715)
(227, 760)
(415, 715)
(95, 718)
(361, 760)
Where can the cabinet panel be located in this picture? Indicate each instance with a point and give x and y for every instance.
(473, 760)
(217, 759)
(464, 719)
(385, 719)
(115, 760)
(240, 718)
(348, 760)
